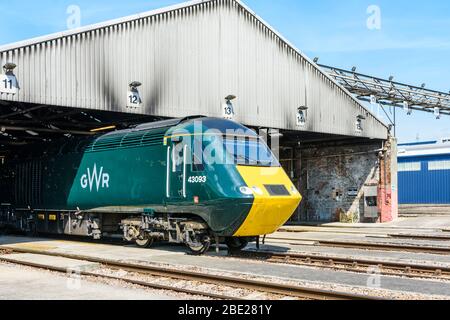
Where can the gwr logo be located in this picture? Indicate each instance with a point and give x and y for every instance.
(95, 179)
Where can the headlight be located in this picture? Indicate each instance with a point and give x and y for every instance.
(245, 190)
(257, 191)
(294, 190)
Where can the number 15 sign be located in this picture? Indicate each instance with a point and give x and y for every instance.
(8, 84)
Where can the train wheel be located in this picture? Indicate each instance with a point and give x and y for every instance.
(236, 244)
(199, 245)
(144, 243)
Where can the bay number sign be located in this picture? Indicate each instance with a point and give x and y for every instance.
(133, 99)
(8, 84)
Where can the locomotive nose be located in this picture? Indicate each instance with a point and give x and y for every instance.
(275, 200)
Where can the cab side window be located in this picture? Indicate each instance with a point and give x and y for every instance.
(197, 164)
(177, 158)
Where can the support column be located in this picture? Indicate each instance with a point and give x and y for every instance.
(387, 187)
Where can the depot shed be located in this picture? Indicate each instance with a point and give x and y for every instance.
(200, 58)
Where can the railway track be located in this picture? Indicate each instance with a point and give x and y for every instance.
(221, 280)
(351, 264)
(442, 237)
(422, 234)
(368, 246)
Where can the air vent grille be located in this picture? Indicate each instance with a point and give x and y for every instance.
(130, 140)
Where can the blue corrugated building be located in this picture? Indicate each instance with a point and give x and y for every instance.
(424, 172)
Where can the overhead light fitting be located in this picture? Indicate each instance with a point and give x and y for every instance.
(354, 69)
(9, 67)
(437, 113)
(359, 120)
(391, 78)
(135, 84)
(316, 59)
(373, 99)
(407, 108)
(301, 116)
(230, 97)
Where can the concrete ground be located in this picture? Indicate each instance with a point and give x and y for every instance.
(177, 256)
(17, 283)
(386, 233)
(417, 223)
(424, 210)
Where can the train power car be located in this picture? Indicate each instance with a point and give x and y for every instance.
(191, 181)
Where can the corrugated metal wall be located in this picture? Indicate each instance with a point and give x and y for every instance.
(188, 59)
(418, 183)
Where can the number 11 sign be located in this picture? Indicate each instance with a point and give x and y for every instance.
(8, 84)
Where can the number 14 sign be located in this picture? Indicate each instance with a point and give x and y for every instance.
(8, 84)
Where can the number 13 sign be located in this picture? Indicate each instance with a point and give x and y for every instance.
(8, 84)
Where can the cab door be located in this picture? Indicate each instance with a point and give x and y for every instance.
(177, 154)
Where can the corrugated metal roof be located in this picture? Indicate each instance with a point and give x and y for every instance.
(411, 144)
(420, 153)
(426, 148)
(216, 48)
(101, 25)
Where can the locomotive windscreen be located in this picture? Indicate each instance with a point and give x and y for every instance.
(250, 151)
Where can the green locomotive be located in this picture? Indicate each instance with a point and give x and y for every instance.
(185, 181)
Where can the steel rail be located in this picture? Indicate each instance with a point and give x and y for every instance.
(353, 264)
(370, 246)
(420, 236)
(235, 282)
(131, 281)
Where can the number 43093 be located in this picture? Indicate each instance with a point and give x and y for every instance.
(197, 179)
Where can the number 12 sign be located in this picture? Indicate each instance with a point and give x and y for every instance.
(133, 99)
(8, 84)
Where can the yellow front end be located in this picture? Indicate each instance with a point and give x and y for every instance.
(269, 212)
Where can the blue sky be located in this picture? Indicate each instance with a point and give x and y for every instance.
(413, 43)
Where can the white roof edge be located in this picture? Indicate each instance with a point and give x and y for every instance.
(57, 35)
(100, 25)
(417, 153)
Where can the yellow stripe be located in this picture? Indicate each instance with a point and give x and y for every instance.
(268, 212)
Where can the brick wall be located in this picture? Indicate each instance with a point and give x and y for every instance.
(332, 181)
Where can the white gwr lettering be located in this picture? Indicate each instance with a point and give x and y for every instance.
(95, 179)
